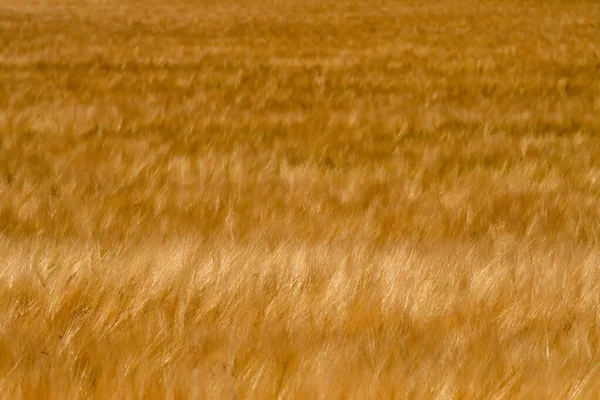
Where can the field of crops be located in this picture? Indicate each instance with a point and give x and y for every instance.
(323, 199)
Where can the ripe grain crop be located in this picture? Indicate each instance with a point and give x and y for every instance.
(299, 199)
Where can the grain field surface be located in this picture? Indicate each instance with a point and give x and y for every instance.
(312, 199)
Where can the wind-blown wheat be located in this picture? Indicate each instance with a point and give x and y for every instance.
(350, 199)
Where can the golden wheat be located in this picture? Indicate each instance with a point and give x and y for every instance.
(299, 199)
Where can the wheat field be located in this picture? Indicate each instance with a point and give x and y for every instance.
(351, 199)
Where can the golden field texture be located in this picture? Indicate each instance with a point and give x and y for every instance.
(299, 199)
